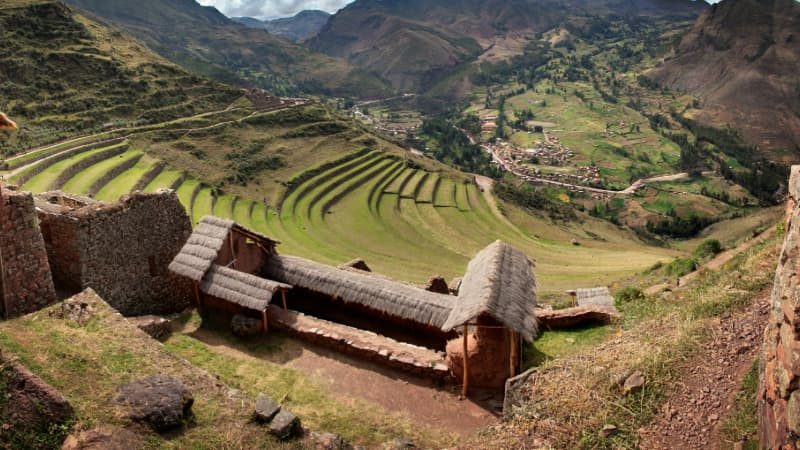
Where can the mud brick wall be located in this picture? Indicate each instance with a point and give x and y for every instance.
(25, 282)
(122, 251)
(779, 386)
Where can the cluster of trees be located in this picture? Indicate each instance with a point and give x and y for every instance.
(680, 227)
(454, 147)
(246, 164)
(533, 200)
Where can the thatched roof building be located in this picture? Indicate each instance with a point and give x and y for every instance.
(205, 243)
(354, 286)
(241, 288)
(499, 282)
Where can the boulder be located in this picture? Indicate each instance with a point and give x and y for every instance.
(285, 425)
(158, 328)
(437, 284)
(244, 326)
(160, 401)
(328, 441)
(266, 409)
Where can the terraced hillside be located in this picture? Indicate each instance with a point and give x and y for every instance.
(405, 221)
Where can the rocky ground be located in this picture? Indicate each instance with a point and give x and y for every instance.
(692, 416)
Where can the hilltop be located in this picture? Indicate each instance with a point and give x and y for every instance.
(65, 74)
(415, 43)
(179, 30)
(303, 26)
(740, 61)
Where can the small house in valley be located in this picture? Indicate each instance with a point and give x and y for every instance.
(474, 336)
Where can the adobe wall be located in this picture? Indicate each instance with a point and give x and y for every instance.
(121, 250)
(489, 352)
(25, 282)
(779, 385)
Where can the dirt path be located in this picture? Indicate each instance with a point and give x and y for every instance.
(715, 263)
(418, 398)
(703, 397)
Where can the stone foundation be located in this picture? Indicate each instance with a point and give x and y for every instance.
(121, 249)
(25, 281)
(779, 385)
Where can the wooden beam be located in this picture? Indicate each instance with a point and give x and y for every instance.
(233, 253)
(264, 322)
(465, 381)
(197, 292)
(283, 298)
(514, 355)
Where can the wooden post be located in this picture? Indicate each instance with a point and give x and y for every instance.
(465, 381)
(514, 355)
(233, 254)
(197, 292)
(264, 323)
(283, 299)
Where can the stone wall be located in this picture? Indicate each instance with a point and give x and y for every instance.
(121, 250)
(779, 386)
(25, 282)
(30, 405)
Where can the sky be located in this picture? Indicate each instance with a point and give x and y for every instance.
(267, 9)
(272, 8)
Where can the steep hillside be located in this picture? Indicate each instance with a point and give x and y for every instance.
(203, 40)
(62, 74)
(303, 26)
(413, 43)
(741, 60)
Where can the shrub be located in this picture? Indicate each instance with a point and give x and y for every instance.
(708, 248)
(628, 294)
(681, 266)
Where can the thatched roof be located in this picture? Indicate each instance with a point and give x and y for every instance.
(241, 288)
(200, 251)
(355, 286)
(499, 282)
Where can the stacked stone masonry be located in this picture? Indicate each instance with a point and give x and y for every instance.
(25, 281)
(121, 250)
(779, 387)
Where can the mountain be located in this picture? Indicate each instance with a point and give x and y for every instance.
(412, 43)
(63, 74)
(301, 27)
(741, 59)
(203, 40)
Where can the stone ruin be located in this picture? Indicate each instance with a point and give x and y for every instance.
(25, 282)
(120, 249)
(779, 385)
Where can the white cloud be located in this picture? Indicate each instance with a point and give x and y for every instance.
(272, 8)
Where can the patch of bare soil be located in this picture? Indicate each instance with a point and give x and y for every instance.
(691, 417)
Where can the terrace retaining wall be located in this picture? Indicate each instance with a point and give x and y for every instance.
(121, 250)
(25, 281)
(779, 385)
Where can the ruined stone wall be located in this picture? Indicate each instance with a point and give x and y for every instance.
(25, 282)
(779, 386)
(122, 251)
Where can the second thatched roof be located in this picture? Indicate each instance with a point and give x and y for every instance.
(241, 288)
(355, 286)
(202, 248)
(499, 282)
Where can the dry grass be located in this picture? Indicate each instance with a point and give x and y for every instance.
(572, 398)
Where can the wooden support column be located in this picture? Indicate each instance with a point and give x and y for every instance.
(264, 323)
(283, 298)
(465, 381)
(233, 253)
(514, 355)
(197, 292)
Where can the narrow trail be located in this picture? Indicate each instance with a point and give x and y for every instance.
(703, 399)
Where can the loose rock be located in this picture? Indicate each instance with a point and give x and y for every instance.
(633, 383)
(160, 401)
(266, 409)
(328, 441)
(285, 425)
(609, 430)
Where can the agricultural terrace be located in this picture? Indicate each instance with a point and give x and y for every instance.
(408, 218)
